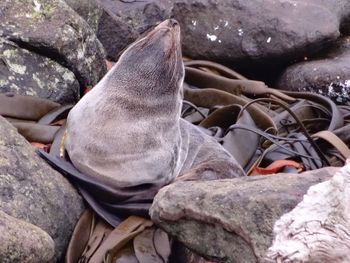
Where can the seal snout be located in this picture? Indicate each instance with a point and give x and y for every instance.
(173, 22)
(169, 23)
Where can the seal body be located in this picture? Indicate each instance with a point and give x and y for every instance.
(127, 130)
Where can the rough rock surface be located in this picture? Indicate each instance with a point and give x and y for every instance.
(51, 28)
(115, 35)
(89, 10)
(22, 242)
(30, 190)
(345, 26)
(27, 73)
(229, 31)
(231, 220)
(329, 76)
(318, 228)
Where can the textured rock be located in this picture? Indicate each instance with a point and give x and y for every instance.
(30, 190)
(115, 35)
(231, 220)
(53, 29)
(329, 76)
(22, 242)
(121, 23)
(87, 9)
(236, 31)
(318, 228)
(230, 31)
(27, 73)
(345, 25)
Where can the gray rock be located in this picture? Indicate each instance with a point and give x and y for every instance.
(51, 28)
(329, 75)
(343, 10)
(232, 31)
(345, 24)
(27, 73)
(90, 10)
(30, 190)
(122, 22)
(236, 31)
(231, 220)
(22, 242)
(115, 35)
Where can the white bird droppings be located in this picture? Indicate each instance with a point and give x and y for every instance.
(212, 37)
(37, 6)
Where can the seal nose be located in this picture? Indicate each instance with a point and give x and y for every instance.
(173, 22)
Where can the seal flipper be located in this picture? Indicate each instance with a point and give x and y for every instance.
(113, 204)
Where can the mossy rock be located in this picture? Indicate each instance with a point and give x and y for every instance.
(52, 29)
(33, 192)
(27, 73)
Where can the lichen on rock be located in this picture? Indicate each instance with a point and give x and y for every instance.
(33, 192)
(27, 73)
(51, 28)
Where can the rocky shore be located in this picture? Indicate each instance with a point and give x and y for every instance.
(56, 50)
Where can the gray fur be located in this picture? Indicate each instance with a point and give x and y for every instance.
(127, 131)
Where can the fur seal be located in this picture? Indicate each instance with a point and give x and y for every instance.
(127, 130)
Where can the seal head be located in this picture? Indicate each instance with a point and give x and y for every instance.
(126, 130)
(156, 59)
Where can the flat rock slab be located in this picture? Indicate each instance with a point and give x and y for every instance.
(27, 73)
(328, 76)
(229, 31)
(231, 220)
(30, 190)
(51, 28)
(22, 242)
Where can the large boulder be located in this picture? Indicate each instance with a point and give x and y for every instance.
(27, 73)
(229, 31)
(318, 228)
(231, 220)
(111, 30)
(22, 242)
(244, 31)
(329, 75)
(115, 35)
(90, 10)
(33, 192)
(51, 28)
